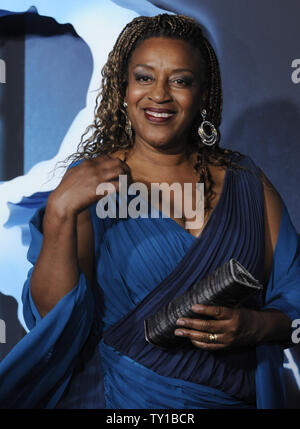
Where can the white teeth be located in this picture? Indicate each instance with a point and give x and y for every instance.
(159, 115)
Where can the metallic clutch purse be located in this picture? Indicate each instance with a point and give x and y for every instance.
(230, 285)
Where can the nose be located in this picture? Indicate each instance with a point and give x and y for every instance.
(160, 92)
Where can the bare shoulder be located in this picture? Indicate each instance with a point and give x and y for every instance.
(273, 210)
(273, 205)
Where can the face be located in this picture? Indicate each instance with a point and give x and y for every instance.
(164, 91)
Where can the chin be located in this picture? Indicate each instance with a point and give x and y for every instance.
(163, 142)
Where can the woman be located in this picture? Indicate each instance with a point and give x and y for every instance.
(94, 281)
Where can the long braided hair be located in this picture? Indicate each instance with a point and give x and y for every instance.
(110, 125)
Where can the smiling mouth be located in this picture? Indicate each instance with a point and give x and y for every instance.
(158, 116)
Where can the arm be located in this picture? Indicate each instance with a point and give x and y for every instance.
(58, 302)
(67, 246)
(43, 361)
(273, 325)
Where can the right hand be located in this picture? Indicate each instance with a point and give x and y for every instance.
(77, 190)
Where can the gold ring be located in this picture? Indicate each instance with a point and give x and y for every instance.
(213, 338)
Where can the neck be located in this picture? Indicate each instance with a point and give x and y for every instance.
(171, 157)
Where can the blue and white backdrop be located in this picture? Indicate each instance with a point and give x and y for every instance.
(51, 55)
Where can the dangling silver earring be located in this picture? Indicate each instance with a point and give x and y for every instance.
(128, 128)
(208, 140)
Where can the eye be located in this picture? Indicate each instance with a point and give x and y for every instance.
(182, 82)
(142, 78)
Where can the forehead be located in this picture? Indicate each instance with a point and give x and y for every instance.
(161, 51)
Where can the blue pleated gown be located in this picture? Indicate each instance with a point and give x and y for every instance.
(90, 351)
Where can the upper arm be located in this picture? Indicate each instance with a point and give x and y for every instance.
(85, 244)
(272, 216)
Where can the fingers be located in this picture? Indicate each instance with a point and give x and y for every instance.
(105, 168)
(209, 334)
(217, 312)
(204, 337)
(112, 168)
(112, 173)
(204, 340)
(208, 326)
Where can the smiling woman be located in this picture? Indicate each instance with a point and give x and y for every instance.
(94, 281)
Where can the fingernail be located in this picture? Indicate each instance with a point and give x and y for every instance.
(197, 307)
(178, 333)
(180, 322)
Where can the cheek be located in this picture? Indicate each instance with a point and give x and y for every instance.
(189, 103)
(134, 93)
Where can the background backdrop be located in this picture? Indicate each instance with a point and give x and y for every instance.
(51, 55)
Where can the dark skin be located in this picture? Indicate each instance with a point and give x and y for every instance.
(163, 73)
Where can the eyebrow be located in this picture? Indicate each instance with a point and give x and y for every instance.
(176, 70)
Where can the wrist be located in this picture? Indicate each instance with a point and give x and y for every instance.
(261, 327)
(58, 219)
(58, 209)
(272, 326)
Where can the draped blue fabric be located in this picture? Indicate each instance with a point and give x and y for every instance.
(90, 352)
(235, 232)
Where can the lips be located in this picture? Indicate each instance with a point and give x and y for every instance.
(158, 115)
(154, 109)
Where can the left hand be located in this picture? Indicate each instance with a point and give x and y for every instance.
(230, 327)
